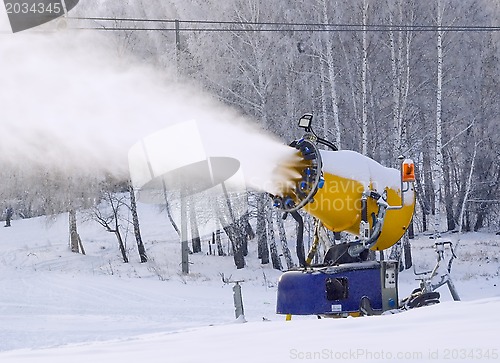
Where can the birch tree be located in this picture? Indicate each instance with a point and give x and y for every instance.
(332, 78)
(400, 48)
(364, 70)
(275, 258)
(438, 162)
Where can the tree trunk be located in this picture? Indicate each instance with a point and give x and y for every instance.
(364, 69)
(421, 194)
(332, 79)
(195, 233)
(75, 241)
(262, 245)
(428, 188)
(220, 249)
(135, 222)
(121, 244)
(395, 93)
(169, 213)
(117, 233)
(81, 245)
(323, 97)
(235, 236)
(467, 221)
(275, 258)
(480, 217)
(400, 68)
(284, 242)
(233, 229)
(468, 188)
(407, 258)
(448, 197)
(438, 163)
(247, 231)
(8, 216)
(411, 230)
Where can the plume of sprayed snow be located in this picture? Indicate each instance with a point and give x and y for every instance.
(67, 103)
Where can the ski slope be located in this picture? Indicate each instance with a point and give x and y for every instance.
(56, 306)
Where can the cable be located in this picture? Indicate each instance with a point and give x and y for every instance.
(275, 26)
(120, 19)
(493, 29)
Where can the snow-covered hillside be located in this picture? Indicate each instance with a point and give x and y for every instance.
(56, 306)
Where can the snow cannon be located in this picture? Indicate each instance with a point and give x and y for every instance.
(349, 192)
(345, 192)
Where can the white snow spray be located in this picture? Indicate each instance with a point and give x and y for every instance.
(68, 103)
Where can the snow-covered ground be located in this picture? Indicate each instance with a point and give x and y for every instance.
(56, 306)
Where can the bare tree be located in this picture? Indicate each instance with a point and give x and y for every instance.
(107, 214)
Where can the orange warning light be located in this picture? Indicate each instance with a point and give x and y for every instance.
(408, 171)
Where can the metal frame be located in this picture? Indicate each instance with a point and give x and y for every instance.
(435, 278)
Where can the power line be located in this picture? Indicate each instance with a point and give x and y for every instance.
(121, 19)
(278, 30)
(237, 26)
